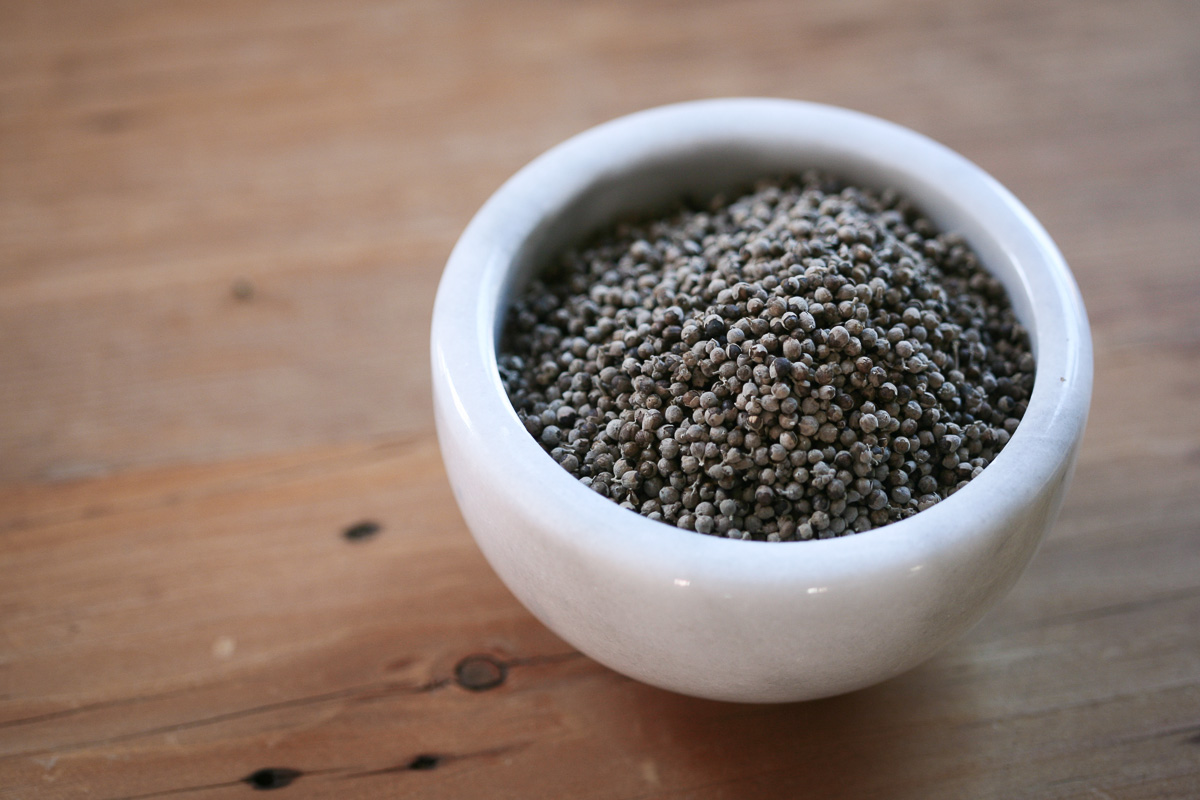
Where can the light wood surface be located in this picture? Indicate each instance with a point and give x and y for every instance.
(221, 228)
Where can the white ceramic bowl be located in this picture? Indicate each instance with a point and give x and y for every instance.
(742, 620)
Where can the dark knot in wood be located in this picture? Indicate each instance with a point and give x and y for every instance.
(480, 673)
(272, 777)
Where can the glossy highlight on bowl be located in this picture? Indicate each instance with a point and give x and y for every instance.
(742, 620)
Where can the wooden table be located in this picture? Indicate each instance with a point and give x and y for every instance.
(221, 228)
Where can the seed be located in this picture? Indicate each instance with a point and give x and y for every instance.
(802, 362)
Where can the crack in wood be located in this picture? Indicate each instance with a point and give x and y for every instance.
(1099, 612)
(549, 658)
(223, 785)
(1081, 705)
(1165, 733)
(359, 694)
(425, 762)
(1087, 615)
(97, 706)
(369, 692)
(420, 763)
(179, 790)
(269, 477)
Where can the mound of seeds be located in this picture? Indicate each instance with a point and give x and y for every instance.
(807, 361)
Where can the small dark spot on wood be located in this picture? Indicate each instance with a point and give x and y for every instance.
(362, 530)
(480, 673)
(423, 762)
(1194, 739)
(111, 121)
(272, 777)
(242, 290)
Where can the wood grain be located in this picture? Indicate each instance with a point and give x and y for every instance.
(221, 228)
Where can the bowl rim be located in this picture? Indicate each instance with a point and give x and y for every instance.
(471, 402)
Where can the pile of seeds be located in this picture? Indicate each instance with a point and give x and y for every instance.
(807, 361)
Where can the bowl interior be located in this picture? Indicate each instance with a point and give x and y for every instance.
(660, 180)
